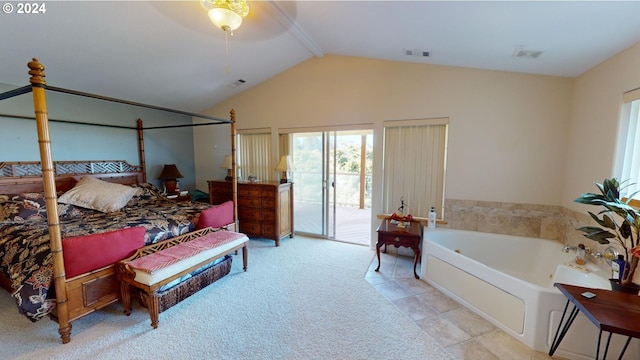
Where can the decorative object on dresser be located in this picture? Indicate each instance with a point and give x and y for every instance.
(284, 166)
(265, 209)
(170, 174)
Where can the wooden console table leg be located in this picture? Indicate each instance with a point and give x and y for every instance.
(378, 255)
(244, 257)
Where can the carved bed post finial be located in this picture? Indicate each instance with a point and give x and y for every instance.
(37, 72)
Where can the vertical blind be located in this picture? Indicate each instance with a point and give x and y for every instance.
(254, 155)
(414, 165)
(631, 146)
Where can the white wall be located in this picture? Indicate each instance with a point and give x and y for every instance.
(596, 103)
(507, 136)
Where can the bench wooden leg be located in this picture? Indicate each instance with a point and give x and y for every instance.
(125, 295)
(152, 304)
(244, 257)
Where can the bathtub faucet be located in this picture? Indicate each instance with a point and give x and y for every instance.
(568, 248)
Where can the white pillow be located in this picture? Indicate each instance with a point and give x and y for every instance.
(98, 195)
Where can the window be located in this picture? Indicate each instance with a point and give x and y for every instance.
(254, 154)
(629, 143)
(414, 165)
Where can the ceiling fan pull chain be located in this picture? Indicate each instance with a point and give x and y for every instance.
(226, 49)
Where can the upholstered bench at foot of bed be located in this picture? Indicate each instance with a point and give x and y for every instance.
(152, 268)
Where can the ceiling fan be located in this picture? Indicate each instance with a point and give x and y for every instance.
(255, 21)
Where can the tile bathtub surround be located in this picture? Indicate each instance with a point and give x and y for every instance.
(530, 220)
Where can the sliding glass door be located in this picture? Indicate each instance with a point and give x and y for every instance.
(309, 163)
(332, 191)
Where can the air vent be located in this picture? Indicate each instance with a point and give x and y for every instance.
(527, 54)
(417, 53)
(237, 83)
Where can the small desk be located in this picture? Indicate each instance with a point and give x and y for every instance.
(409, 236)
(611, 311)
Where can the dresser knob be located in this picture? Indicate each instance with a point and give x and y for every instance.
(397, 239)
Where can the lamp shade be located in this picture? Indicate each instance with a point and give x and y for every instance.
(227, 163)
(284, 164)
(170, 171)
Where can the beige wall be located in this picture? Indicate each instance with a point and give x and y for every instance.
(593, 129)
(507, 130)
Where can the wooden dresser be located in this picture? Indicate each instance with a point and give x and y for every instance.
(265, 209)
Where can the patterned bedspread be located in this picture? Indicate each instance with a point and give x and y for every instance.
(25, 256)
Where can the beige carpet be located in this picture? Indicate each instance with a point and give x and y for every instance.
(306, 299)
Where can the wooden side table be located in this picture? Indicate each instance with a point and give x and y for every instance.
(610, 311)
(409, 236)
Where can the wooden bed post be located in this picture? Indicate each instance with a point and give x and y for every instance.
(234, 182)
(143, 163)
(48, 178)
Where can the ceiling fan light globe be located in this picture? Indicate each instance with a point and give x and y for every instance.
(225, 19)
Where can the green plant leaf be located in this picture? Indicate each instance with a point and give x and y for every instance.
(625, 229)
(608, 222)
(597, 234)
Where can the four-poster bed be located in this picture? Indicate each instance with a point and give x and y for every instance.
(38, 231)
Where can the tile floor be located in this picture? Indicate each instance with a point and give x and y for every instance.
(462, 333)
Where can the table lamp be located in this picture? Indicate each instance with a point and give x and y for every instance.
(170, 174)
(284, 165)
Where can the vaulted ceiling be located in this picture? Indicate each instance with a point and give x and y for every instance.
(167, 53)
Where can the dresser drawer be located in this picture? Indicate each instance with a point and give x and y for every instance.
(268, 215)
(253, 202)
(269, 203)
(268, 192)
(268, 230)
(398, 240)
(249, 214)
(250, 191)
(251, 228)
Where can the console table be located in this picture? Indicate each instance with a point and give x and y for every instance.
(611, 311)
(408, 236)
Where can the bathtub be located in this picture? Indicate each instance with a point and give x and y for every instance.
(508, 280)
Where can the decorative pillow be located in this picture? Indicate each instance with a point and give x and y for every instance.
(98, 195)
(216, 216)
(90, 252)
(21, 207)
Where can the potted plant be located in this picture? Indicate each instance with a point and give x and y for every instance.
(619, 222)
